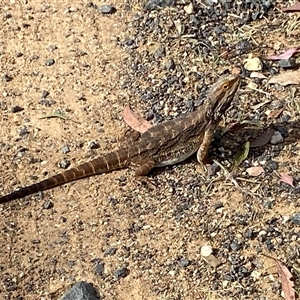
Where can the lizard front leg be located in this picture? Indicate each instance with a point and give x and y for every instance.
(204, 147)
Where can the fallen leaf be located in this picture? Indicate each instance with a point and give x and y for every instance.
(241, 155)
(285, 55)
(275, 113)
(291, 77)
(285, 277)
(56, 114)
(179, 27)
(259, 105)
(135, 121)
(253, 123)
(288, 179)
(263, 139)
(255, 171)
(292, 8)
(257, 75)
(286, 283)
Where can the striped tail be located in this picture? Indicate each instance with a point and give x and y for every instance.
(106, 163)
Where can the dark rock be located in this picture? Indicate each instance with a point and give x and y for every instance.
(218, 205)
(51, 48)
(93, 145)
(16, 109)
(19, 54)
(47, 205)
(121, 273)
(64, 164)
(34, 57)
(107, 9)
(113, 201)
(170, 65)
(7, 78)
(283, 131)
(184, 262)
(285, 117)
(295, 218)
(50, 62)
(129, 42)
(272, 165)
(194, 20)
(24, 131)
(250, 234)
(63, 219)
(243, 46)
(235, 246)
(65, 149)
(36, 242)
(80, 291)
(288, 63)
(110, 251)
(160, 52)
(98, 267)
(47, 102)
(71, 263)
(155, 4)
(45, 94)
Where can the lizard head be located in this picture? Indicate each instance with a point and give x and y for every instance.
(221, 95)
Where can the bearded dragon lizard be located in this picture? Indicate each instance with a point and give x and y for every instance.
(165, 144)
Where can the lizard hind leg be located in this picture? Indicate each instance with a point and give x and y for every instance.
(144, 167)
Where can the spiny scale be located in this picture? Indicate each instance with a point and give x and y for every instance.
(164, 144)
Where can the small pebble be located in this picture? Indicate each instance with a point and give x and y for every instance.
(107, 9)
(47, 205)
(110, 251)
(51, 48)
(184, 262)
(170, 65)
(98, 267)
(7, 78)
(63, 219)
(16, 109)
(64, 164)
(24, 131)
(79, 291)
(45, 94)
(65, 149)
(49, 62)
(253, 64)
(160, 52)
(189, 8)
(93, 145)
(155, 4)
(276, 138)
(295, 218)
(121, 273)
(288, 63)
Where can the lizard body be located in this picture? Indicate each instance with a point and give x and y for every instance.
(165, 144)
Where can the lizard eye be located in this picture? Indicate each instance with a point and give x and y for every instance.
(225, 87)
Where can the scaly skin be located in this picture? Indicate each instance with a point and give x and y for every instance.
(164, 144)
